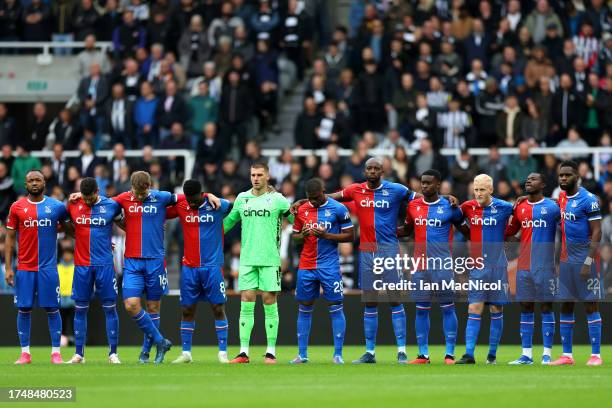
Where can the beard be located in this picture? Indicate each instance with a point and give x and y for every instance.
(35, 192)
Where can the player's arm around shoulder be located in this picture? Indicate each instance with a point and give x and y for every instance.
(284, 207)
(464, 227)
(64, 223)
(233, 216)
(225, 207)
(405, 230)
(299, 231)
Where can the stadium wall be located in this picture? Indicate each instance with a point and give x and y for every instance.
(321, 332)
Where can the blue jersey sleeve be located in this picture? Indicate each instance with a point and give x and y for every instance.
(456, 215)
(591, 207)
(167, 198)
(508, 210)
(226, 207)
(62, 212)
(116, 208)
(343, 216)
(556, 211)
(405, 193)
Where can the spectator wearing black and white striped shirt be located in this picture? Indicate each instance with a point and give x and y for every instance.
(586, 44)
(455, 125)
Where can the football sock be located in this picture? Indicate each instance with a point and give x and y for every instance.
(148, 342)
(450, 324)
(548, 331)
(221, 329)
(55, 327)
(271, 320)
(145, 324)
(80, 326)
(594, 321)
(247, 320)
(187, 329)
(527, 333)
(566, 327)
(421, 326)
(112, 325)
(304, 321)
(370, 327)
(336, 313)
(398, 319)
(471, 333)
(495, 332)
(24, 321)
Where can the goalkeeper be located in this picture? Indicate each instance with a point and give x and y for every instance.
(261, 210)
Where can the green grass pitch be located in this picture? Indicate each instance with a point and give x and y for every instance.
(206, 383)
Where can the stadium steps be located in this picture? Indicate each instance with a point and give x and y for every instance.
(289, 109)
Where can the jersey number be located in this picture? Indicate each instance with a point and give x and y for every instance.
(338, 287)
(593, 285)
(163, 281)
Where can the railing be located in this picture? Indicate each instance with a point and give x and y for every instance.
(46, 57)
(47, 45)
(188, 155)
(596, 152)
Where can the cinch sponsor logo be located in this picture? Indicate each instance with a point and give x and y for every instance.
(257, 213)
(199, 218)
(321, 224)
(533, 223)
(429, 222)
(368, 203)
(29, 223)
(145, 209)
(568, 216)
(488, 221)
(83, 220)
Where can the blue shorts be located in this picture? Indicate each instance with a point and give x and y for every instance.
(537, 285)
(310, 280)
(102, 276)
(572, 287)
(372, 267)
(144, 275)
(40, 288)
(489, 276)
(204, 284)
(435, 284)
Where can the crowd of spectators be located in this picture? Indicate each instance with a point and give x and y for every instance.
(402, 76)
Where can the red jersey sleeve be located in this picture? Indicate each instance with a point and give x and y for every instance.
(514, 225)
(347, 192)
(171, 212)
(409, 218)
(298, 223)
(13, 221)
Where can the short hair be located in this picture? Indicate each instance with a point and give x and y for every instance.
(89, 185)
(485, 178)
(192, 187)
(261, 165)
(433, 172)
(569, 163)
(541, 176)
(140, 180)
(314, 185)
(35, 171)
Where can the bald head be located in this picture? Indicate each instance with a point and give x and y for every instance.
(374, 161)
(373, 172)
